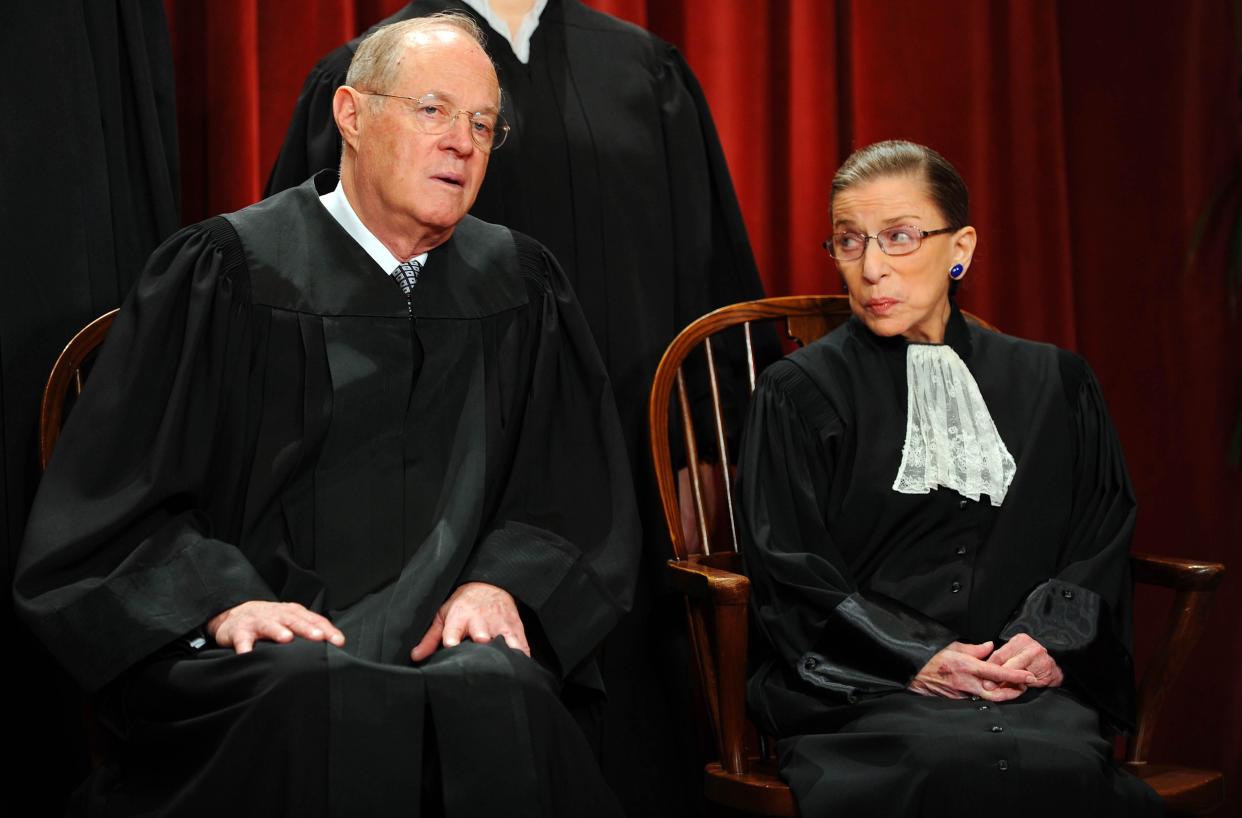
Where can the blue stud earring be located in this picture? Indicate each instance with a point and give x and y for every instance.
(956, 272)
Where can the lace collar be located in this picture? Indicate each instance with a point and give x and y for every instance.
(951, 440)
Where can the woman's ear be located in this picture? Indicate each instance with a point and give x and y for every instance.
(964, 246)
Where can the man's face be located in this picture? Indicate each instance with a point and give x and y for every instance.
(426, 182)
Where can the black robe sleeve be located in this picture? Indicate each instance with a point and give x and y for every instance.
(805, 599)
(135, 565)
(565, 537)
(1082, 615)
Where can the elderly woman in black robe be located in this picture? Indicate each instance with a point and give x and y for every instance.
(937, 522)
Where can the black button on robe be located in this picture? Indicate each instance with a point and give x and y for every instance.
(267, 421)
(856, 586)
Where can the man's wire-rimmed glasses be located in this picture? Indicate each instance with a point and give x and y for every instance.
(900, 240)
(434, 115)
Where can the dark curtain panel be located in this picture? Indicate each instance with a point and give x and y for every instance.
(89, 186)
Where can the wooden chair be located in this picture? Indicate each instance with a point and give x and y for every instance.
(64, 385)
(65, 382)
(708, 573)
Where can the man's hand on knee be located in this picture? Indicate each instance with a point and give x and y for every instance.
(476, 611)
(240, 627)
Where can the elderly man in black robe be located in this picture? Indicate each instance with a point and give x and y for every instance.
(614, 164)
(344, 511)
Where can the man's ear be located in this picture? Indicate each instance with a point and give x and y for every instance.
(346, 107)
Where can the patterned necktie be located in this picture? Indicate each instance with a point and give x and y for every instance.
(407, 274)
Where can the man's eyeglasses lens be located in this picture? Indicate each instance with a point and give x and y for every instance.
(434, 116)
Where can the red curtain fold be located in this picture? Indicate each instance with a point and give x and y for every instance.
(1152, 131)
(240, 65)
(1091, 134)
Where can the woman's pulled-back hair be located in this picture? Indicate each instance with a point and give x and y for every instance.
(897, 157)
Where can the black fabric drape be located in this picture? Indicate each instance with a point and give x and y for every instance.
(90, 185)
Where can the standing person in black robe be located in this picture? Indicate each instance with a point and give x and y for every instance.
(326, 547)
(615, 165)
(89, 188)
(945, 622)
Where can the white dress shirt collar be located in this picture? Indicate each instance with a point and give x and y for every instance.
(519, 41)
(337, 203)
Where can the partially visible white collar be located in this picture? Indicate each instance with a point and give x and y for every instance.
(521, 40)
(337, 203)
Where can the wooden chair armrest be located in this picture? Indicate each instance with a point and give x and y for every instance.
(717, 600)
(1178, 574)
(1193, 584)
(706, 583)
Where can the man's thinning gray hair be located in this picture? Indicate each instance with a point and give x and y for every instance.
(375, 64)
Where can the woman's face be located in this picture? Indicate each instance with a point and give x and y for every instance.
(904, 295)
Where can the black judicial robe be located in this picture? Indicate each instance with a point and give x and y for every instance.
(268, 420)
(614, 164)
(856, 587)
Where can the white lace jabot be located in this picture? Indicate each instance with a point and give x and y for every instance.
(951, 441)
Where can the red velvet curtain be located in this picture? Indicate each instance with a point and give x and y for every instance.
(1091, 134)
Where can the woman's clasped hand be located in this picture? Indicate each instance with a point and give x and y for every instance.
(961, 670)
